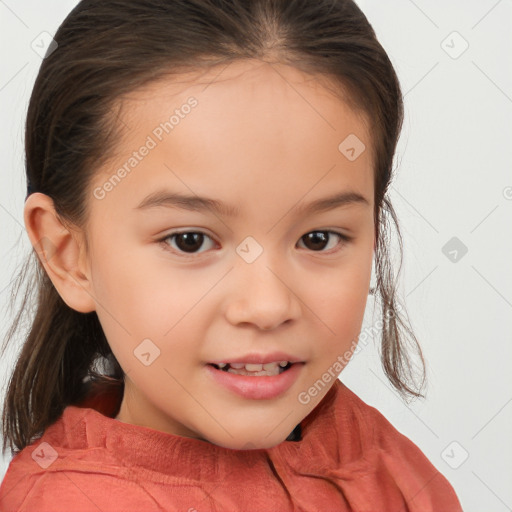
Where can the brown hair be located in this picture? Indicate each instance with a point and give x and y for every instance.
(108, 48)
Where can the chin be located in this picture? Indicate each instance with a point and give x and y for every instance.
(250, 442)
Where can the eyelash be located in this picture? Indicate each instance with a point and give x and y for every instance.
(345, 240)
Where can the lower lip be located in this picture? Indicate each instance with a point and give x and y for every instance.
(257, 388)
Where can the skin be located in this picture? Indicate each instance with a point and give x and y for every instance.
(263, 138)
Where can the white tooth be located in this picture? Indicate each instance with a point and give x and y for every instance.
(253, 367)
(250, 367)
(243, 371)
(222, 365)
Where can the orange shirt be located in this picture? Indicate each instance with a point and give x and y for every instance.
(349, 458)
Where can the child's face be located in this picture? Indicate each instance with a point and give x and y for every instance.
(260, 140)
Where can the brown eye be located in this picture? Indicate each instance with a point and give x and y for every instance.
(188, 242)
(318, 240)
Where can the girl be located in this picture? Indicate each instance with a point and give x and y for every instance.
(206, 189)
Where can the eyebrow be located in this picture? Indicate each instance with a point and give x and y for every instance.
(165, 198)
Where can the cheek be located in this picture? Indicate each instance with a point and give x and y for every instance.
(148, 299)
(340, 301)
(344, 314)
(342, 291)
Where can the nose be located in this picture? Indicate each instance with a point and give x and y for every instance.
(262, 296)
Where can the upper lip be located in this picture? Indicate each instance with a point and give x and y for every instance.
(260, 358)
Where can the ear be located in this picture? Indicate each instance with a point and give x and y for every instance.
(60, 252)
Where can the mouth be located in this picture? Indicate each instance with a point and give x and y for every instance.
(256, 381)
(254, 370)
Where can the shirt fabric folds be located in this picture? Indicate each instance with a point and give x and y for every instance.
(347, 457)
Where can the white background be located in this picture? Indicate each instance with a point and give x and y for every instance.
(454, 166)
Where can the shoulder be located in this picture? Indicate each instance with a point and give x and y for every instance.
(61, 471)
(26, 490)
(392, 456)
(371, 425)
(37, 479)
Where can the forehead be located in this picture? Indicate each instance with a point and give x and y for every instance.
(237, 129)
(247, 94)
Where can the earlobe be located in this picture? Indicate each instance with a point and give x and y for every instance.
(59, 252)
